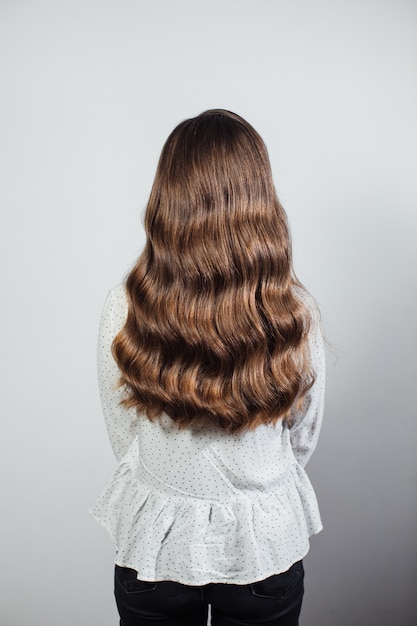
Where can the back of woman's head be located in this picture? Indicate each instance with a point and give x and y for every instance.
(217, 327)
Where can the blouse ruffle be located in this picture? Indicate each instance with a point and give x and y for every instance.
(164, 535)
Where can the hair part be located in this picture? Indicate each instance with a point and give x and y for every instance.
(217, 326)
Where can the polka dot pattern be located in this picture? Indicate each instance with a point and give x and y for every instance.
(200, 505)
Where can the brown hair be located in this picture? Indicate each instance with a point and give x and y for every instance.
(217, 324)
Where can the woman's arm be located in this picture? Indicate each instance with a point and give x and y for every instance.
(306, 422)
(121, 423)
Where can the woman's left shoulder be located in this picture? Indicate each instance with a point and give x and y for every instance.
(115, 307)
(118, 297)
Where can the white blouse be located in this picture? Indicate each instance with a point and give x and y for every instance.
(201, 506)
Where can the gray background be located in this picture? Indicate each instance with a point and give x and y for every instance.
(90, 91)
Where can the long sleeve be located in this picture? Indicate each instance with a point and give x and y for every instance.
(306, 422)
(121, 423)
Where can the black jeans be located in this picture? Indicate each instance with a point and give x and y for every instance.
(275, 601)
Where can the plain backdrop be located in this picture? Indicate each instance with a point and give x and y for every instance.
(89, 92)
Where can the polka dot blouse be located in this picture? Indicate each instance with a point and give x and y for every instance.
(200, 505)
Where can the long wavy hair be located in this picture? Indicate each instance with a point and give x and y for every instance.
(217, 323)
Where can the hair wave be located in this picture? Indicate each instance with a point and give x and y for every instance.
(217, 324)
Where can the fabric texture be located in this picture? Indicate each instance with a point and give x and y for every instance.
(198, 505)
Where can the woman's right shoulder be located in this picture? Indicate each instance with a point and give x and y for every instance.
(310, 304)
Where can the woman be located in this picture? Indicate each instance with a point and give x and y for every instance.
(211, 370)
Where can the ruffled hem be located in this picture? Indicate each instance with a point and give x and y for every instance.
(194, 541)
